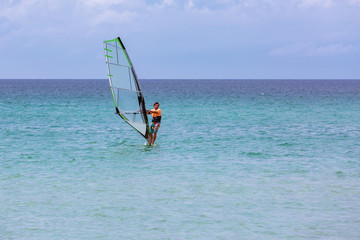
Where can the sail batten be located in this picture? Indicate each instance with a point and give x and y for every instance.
(125, 88)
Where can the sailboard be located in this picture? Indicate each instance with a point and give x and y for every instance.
(125, 88)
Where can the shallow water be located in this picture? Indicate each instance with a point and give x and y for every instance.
(234, 160)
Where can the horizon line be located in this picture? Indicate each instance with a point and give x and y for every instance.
(239, 79)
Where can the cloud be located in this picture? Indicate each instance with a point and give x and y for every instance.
(179, 34)
(310, 49)
(109, 16)
(99, 12)
(218, 5)
(99, 3)
(39, 18)
(320, 3)
(354, 2)
(167, 3)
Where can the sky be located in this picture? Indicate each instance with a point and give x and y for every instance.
(185, 39)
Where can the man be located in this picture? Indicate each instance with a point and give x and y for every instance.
(155, 123)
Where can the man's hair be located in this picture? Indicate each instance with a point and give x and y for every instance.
(156, 103)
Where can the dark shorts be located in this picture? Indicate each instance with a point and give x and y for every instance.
(154, 127)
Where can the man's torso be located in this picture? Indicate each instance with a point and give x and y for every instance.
(156, 117)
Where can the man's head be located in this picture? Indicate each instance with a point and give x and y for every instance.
(156, 105)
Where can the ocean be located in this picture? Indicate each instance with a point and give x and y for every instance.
(235, 159)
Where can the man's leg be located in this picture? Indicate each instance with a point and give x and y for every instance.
(151, 132)
(153, 139)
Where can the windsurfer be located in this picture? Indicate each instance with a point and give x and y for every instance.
(155, 123)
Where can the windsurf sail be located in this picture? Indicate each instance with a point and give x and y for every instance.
(128, 98)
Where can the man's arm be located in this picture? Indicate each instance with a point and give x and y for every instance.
(151, 111)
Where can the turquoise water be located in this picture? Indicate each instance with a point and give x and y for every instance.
(234, 160)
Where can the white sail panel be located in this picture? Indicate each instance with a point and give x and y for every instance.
(119, 73)
(127, 100)
(141, 127)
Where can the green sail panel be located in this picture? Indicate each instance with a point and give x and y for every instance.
(125, 88)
